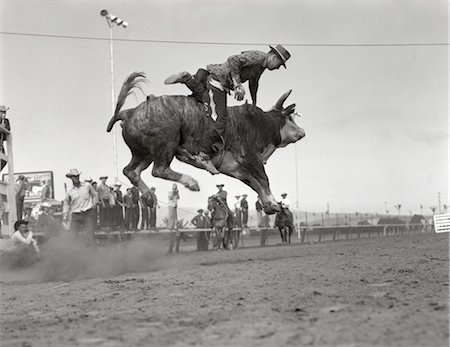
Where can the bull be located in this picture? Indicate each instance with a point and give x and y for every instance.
(165, 127)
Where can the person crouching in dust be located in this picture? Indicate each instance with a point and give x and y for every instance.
(212, 85)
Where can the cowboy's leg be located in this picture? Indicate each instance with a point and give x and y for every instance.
(195, 83)
(215, 101)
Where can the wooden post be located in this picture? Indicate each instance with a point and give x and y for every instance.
(9, 190)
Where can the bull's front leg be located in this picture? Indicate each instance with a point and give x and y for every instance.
(257, 180)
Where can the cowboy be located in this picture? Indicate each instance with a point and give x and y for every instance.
(80, 202)
(238, 211)
(23, 248)
(244, 209)
(285, 202)
(222, 195)
(221, 79)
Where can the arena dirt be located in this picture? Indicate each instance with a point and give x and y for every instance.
(384, 291)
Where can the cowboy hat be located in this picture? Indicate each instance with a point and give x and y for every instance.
(105, 177)
(220, 185)
(73, 173)
(89, 180)
(152, 188)
(244, 195)
(200, 211)
(3, 108)
(283, 194)
(282, 53)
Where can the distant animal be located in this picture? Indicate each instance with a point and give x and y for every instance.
(284, 221)
(164, 127)
(221, 221)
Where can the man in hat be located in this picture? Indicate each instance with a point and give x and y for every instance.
(285, 202)
(4, 122)
(199, 222)
(118, 207)
(237, 212)
(104, 201)
(222, 79)
(244, 209)
(46, 192)
(80, 202)
(146, 204)
(153, 209)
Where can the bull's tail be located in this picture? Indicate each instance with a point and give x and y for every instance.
(133, 81)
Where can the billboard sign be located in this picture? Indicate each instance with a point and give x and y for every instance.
(36, 183)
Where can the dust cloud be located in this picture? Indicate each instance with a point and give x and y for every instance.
(67, 257)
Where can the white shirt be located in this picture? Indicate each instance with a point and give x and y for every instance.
(18, 240)
(237, 205)
(285, 202)
(80, 199)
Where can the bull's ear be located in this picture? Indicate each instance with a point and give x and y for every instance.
(281, 100)
(288, 110)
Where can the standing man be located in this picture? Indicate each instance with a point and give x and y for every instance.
(135, 198)
(237, 212)
(21, 192)
(174, 196)
(259, 208)
(128, 203)
(80, 202)
(103, 197)
(153, 209)
(146, 205)
(199, 221)
(118, 208)
(244, 209)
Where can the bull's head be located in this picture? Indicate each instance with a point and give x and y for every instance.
(290, 132)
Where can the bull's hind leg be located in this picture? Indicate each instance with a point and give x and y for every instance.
(163, 170)
(134, 169)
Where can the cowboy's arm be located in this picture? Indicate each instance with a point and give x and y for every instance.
(236, 62)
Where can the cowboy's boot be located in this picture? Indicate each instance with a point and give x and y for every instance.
(181, 77)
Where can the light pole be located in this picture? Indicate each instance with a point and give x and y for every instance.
(110, 19)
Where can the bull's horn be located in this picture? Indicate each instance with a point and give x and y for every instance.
(281, 100)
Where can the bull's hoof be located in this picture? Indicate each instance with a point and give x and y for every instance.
(271, 208)
(193, 186)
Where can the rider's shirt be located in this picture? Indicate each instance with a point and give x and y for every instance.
(247, 66)
(222, 194)
(285, 202)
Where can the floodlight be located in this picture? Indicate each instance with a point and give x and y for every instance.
(125, 24)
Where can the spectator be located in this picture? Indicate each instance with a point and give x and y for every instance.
(135, 194)
(21, 192)
(146, 205)
(244, 209)
(259, 208)
(46, 192)
(265, 224)
(199, 222)
(112, 206)
(129, 214)
(237, 212)
(118, 208)
(80, 202)
(4, 122)
(174, 196)
(153, 209)
(104, 200)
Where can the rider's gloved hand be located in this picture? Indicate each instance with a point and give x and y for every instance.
(239, 93)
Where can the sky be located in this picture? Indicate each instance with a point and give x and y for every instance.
(375, 114)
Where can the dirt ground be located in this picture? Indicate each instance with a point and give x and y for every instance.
(383, 291)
